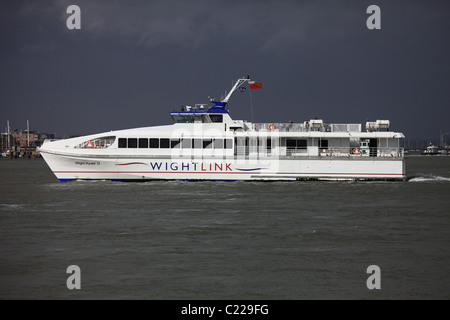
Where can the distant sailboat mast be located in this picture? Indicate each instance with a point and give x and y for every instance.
(9, 136)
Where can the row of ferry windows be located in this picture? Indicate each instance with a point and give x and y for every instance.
(303, 144)
(166, 143)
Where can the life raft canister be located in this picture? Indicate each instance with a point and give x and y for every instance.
(89, 144)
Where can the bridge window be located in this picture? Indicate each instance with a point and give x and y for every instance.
(190, 118)
(216, 118)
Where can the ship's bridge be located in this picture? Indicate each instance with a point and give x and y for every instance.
(201, 113)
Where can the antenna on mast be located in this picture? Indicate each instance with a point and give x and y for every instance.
(222, 103)
(238, 83)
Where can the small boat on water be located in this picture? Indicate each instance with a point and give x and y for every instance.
(205, 143)
(431, 150)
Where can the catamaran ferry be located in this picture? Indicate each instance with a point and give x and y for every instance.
(205, 143)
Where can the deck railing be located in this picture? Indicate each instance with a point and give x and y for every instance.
(302, 127)
(386, 152)
(280, 127)
(341, 152)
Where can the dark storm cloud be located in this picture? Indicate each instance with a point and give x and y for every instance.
(270, 26)
(134, 61)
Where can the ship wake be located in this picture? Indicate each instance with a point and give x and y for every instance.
(426, 178)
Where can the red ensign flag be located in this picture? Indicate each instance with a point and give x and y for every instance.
(255, 85)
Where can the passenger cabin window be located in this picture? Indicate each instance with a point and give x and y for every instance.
(174, 143)
(143, 143)
(228, 143)
(207, 143)
(132, 142)
(218, 143)
(164, 143)
(122, 142)
(302, 144)
(296, 144)
(186, 143)
(323, 144)
(291, 144)
(197, 143)
(154, 143)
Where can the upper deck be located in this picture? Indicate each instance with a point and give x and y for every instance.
(307, 127)
(201, 114)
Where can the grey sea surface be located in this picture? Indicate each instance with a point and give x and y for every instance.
(224, 240)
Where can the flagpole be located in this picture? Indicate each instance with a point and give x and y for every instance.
(251, 104)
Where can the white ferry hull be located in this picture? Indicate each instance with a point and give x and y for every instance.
(67, 167)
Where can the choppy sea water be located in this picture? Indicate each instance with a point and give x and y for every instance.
(224, 240)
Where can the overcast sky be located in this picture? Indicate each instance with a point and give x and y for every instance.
(132, 62)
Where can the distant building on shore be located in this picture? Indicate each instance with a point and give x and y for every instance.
(31, 140)
(22, 142)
